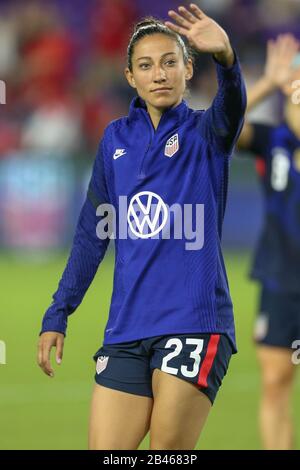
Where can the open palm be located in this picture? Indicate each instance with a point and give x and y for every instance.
(202, 32)
(281, 53)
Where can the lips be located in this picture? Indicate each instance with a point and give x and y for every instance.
(157, 90)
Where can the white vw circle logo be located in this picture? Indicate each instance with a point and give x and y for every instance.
(149, 214)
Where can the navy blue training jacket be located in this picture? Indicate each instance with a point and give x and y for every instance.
(166, 186)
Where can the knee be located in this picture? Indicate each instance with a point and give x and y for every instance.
(277, 384)
(171, 441)
(166, 443)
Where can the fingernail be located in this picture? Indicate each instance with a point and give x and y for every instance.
(58, 360)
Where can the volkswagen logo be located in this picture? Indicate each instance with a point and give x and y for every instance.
(147, 214)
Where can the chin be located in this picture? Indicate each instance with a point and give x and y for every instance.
(164, 102)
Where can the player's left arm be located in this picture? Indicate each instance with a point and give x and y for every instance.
(223, 121)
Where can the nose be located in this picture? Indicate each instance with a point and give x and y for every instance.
(159, 75)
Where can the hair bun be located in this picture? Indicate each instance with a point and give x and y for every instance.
(149, 21)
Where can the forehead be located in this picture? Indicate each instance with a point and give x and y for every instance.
(155, 45)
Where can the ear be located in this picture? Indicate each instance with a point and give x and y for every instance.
(189, 70)
(129, 77)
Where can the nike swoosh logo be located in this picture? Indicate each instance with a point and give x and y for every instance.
(118, 154)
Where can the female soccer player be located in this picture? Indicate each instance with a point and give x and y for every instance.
(277, 259)
(170, 332)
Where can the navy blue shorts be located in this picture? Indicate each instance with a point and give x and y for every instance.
(201, 359)
(278, 320)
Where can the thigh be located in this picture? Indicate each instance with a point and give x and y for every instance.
(118, 420)
(179, 412)
(122, 398)
(276, 365)
(188, 371)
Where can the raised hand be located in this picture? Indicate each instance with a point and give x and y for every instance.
(281, 52)
(202, 32)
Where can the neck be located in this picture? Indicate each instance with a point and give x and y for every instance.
(155, 115)
(292, 116)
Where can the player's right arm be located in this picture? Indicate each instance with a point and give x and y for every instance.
(278, 72)
(49, 340)
(87, 253)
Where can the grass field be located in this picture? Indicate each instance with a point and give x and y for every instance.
(41, 413)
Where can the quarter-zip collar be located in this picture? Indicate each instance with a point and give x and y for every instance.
(169, 120)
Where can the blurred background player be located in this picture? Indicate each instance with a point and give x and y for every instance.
(277, 258)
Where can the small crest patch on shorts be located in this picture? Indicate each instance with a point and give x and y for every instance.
(261, 327)
(101, 364)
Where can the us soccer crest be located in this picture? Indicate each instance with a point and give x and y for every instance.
(101, 364)
(172, 146)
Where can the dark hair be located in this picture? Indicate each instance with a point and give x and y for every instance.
(149, 26)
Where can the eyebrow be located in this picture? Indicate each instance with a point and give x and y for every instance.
(167, 53)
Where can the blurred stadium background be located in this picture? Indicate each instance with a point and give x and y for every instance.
(62, 62)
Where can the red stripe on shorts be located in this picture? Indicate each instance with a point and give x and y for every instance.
(208, 360)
